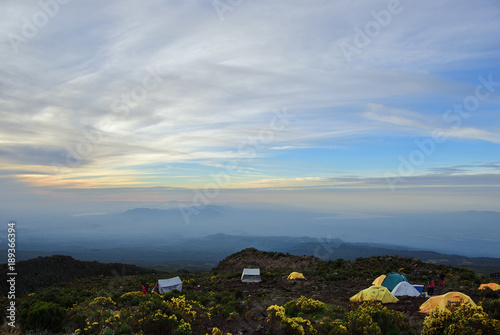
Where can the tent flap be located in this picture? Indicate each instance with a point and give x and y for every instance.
(379, 280)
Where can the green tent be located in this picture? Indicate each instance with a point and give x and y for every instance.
(393, 279)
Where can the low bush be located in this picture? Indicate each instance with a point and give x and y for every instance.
(491, 307)
(374, 318)
(42, 315)
(463, 319)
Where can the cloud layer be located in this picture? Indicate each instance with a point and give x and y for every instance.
(291, 94)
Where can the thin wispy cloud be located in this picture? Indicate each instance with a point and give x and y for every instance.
(166, 93)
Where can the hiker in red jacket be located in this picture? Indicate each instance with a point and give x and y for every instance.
(430, 290)
(144, 289)
(441, 278)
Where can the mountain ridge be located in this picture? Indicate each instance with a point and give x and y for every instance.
(43, 271)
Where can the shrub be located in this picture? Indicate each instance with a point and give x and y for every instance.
(334, 327)
(43, 315)
(131, 298)
(464, 319)
(374, 318)
(489, 293)
(303, 305)
(291, 325)
(124, 329)
(361, 323)
(491, 307)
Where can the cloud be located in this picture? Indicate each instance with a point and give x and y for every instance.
(467, 168)
(111, 93)
(421, 125)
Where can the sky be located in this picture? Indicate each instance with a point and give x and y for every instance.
(335, 106)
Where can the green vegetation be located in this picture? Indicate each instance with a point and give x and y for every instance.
(463, 319)
(298, 317)
(218, 303)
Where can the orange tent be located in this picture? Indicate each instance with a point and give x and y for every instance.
(441, 301)
(493, 286)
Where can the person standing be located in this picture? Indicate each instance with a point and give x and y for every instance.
(432, 285)
(441, 279)
(144, 291)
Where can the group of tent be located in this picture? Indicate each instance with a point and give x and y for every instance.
(386, 288)
(248, 276)
(253, 276)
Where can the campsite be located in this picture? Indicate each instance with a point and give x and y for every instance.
(223, 302)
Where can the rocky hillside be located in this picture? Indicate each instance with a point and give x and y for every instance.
(266, 261)
(44, 271)
(220, 303)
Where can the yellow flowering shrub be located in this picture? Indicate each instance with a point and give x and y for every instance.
(333, 327)
(173, 315)
(464, 319)
(291, 325)
(187, 282)
(360, 322)
(102, 302)
(146, 315)
(185, 307)
(131, 298)
(374, 318)
(304, 305)
(216, 331)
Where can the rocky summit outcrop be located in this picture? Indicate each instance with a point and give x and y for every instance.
(265, 261)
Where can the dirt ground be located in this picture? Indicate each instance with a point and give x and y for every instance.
(279, 290)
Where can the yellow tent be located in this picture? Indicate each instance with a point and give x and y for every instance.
(441, 301)
(296, 275)
(379, 280)
(375, 293)
(493, 286)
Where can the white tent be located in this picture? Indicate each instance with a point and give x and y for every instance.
(167, 285)
(405, 288)
(250, 276)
